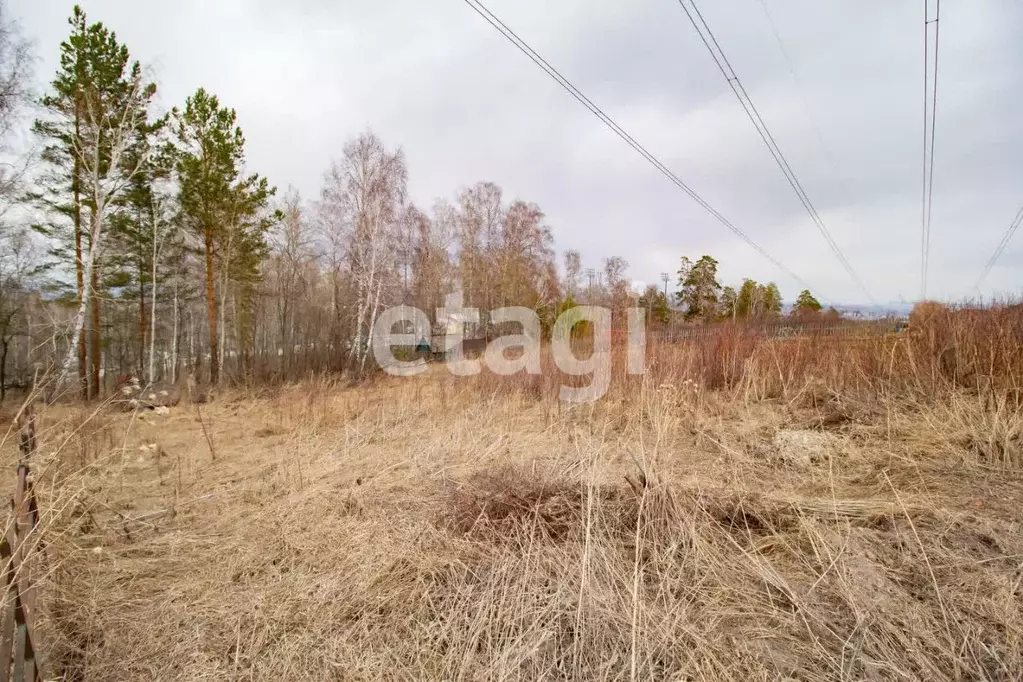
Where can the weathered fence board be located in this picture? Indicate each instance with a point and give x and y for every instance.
(17, 629)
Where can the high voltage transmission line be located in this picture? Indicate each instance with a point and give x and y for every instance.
(712, 45)
(797, 83)
(503, 29)
(928, 165)
(1006, 238)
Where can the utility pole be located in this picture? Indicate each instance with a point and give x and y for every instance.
(589, 291)
(665, 277)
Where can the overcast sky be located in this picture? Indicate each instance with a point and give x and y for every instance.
(466, 106)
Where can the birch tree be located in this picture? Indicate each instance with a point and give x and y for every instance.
(141, 229)
(16, 269)
(95, 119)
(524, 257)
(59, 191)
(573, 271)
(360, 210)
(289, 263)
(479, 233)
(15, 78)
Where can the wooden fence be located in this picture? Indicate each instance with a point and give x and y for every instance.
(18, 655)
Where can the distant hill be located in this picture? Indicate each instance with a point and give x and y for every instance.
(875, 311)
(869, 311)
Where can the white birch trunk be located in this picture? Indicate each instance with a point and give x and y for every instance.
(372, 320)
(174, 338)
(83, 305)
(152, 309)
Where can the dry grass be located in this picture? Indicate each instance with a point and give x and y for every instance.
(811, 509)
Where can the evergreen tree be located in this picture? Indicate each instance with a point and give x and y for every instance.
(772, 299)
(226, 210)
(806, 304)
(699, 287)
(728, 302)
(59, 191)
(94, 115)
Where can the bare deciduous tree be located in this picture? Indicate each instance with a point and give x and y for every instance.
(573, 270)
(360, 211)
(291, 256)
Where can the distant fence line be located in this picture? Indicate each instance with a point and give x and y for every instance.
(782, 330)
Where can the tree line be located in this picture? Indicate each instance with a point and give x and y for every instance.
(145, 244)
(700, 298)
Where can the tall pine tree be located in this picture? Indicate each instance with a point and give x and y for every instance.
(59, 192)
(225, 209)
(94, 128)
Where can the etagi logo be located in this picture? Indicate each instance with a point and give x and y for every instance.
(597, 366)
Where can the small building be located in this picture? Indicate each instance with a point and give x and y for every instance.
(450, 329)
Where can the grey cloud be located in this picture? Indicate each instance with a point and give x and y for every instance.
(466, 106)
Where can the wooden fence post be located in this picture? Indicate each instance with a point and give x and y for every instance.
(17, 618)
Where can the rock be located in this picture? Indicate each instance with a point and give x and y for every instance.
(803, 448)
(132, 396)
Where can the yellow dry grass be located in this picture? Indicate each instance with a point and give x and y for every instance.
(467, 529)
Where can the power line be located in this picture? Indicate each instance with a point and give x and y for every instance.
(1006, 238)
(797, 82)
(524, 47)
(928, 167)
(712, 45)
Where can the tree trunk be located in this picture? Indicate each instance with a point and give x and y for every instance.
(3, 369)
(142, 324)
(76, 191)
(152, 315)
(238, 345)
(193, 366)
(225, 271)
(372, 321)
(175, 342)
(95, 341)
(223, 323)
(83, 309)
(286, 345)
(211, 310)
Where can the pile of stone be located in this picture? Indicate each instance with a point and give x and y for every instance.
(131, 395)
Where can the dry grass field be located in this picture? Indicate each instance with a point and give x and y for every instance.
(747, 510)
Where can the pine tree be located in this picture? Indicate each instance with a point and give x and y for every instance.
(806, 304)
(728, 303)
(699, 287)
(225, 209)
(94, 115)
(772, 299)
(60, 193)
